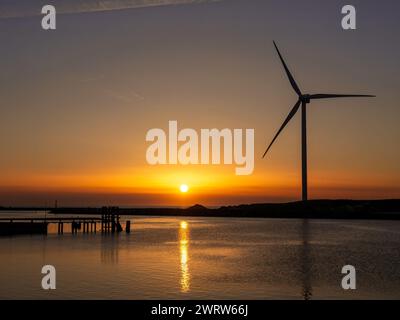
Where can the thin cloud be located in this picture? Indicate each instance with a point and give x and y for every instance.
(128, 97)
(26, 8)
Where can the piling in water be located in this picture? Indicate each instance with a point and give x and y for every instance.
(128, 226)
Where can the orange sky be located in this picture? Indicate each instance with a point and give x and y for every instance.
(77, 104)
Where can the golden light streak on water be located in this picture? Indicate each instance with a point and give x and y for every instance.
(184, 256)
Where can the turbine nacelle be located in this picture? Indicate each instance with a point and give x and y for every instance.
(306, 98)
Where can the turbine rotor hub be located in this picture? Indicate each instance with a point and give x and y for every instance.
(306, 98)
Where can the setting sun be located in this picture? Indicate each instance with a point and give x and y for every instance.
(184, 188)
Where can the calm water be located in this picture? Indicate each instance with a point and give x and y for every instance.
(208, 258)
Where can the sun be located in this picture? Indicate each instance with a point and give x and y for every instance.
(184, 188)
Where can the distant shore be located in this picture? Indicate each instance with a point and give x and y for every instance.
(313, 209)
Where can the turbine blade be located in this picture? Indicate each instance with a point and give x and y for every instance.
(333, 96)
(289, 117)
(291, 79)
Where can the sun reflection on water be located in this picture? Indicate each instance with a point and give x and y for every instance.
(184, 257)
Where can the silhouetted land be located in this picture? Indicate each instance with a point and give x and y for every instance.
(313, 209)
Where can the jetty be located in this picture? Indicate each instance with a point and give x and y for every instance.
(109, 222)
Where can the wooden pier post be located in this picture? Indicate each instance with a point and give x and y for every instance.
(74, 227)
(113, 223)
(60, 227)
(128, 226)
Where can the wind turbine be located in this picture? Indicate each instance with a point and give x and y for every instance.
(303, 100)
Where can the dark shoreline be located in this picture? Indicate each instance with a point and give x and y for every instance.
(313, 209)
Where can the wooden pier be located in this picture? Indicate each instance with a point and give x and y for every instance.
(109, 222)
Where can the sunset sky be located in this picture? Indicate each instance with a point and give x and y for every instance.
(77, 102)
